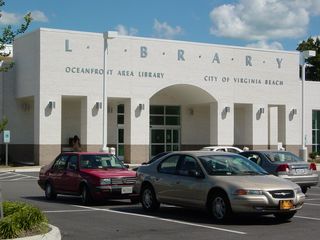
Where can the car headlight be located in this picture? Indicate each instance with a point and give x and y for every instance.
(241, 192)
(298, 190)
(105, 181)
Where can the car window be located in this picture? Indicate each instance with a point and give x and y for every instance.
(169, 165)
(230, 165)
(187, 164)
(233, 150)
(96, 161)
(72, 162)
(60, 162)
(281, 156)
(220, 150)
(254, 158)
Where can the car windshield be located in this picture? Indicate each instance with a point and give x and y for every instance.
(281, 156)
(96, 161)
(230, 165)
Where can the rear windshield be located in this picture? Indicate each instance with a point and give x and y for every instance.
(230, 165)
(96, 161)
(282, 157)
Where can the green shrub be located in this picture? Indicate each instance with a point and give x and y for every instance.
(19, 218)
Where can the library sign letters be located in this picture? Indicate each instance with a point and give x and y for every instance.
(216, 60)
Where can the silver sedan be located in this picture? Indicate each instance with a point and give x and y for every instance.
(223, 183)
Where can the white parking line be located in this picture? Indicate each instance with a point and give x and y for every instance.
(163, 219)
(66, 211)
(312, 204)
(310, 218)
(11, 176)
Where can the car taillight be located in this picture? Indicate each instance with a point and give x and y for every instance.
(283, 168)
(313, 166)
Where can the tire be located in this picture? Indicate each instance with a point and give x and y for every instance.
(50, 192)
(86, 198)
(304, 189)
(220, 208)
(284, 217)
(149, 199)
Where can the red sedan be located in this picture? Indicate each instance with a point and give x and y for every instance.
(93, 176)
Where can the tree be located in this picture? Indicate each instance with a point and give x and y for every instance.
(312, 71)
(7, 37)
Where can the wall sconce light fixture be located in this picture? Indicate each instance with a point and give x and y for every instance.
(261, 110)
(294, 111)
(190, 110)
(98, 105)
(52, 104)
(227, 109)
(141, 106)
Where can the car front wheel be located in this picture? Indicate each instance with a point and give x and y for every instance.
(220, 207)
(49, 192)
(85, 195)
(148, 199)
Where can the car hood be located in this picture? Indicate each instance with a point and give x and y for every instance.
(259, 182)
(109, 173)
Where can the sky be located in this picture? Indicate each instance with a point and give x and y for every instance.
(269, 24)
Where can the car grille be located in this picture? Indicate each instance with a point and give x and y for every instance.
(282, 194)
(125, 180)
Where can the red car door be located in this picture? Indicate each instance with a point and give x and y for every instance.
(71, 178)
(57, 171)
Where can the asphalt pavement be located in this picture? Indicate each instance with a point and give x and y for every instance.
(123, 220)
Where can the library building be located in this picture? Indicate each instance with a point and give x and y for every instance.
(141, 96)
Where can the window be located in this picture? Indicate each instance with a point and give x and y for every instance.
(315, 131)
(60, 162)
(165, 115)
(169, 165)
(72, 162)
(187, 165)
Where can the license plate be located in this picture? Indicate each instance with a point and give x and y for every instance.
(126, 190)
(286, 204)
(300, 171)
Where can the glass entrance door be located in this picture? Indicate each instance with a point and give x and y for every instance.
(164, 140)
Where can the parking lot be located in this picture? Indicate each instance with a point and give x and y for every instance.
(123, 220)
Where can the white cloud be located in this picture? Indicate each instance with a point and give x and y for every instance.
(123, 30)
(265, 45)
(39, 16)
(263, 19)
(9, 18)
(15, 19)
(164, 30)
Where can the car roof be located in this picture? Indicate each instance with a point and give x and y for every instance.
(88, 153)
(266, 150)
(221, 147)
(201, 153)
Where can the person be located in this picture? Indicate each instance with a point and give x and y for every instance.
(76, 145)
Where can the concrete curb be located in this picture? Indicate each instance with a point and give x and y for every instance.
(53, 234)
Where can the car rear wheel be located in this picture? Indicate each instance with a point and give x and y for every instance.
(220, 207)
(86, 198)
(148, 199)
(283, 217)
(49, 192)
